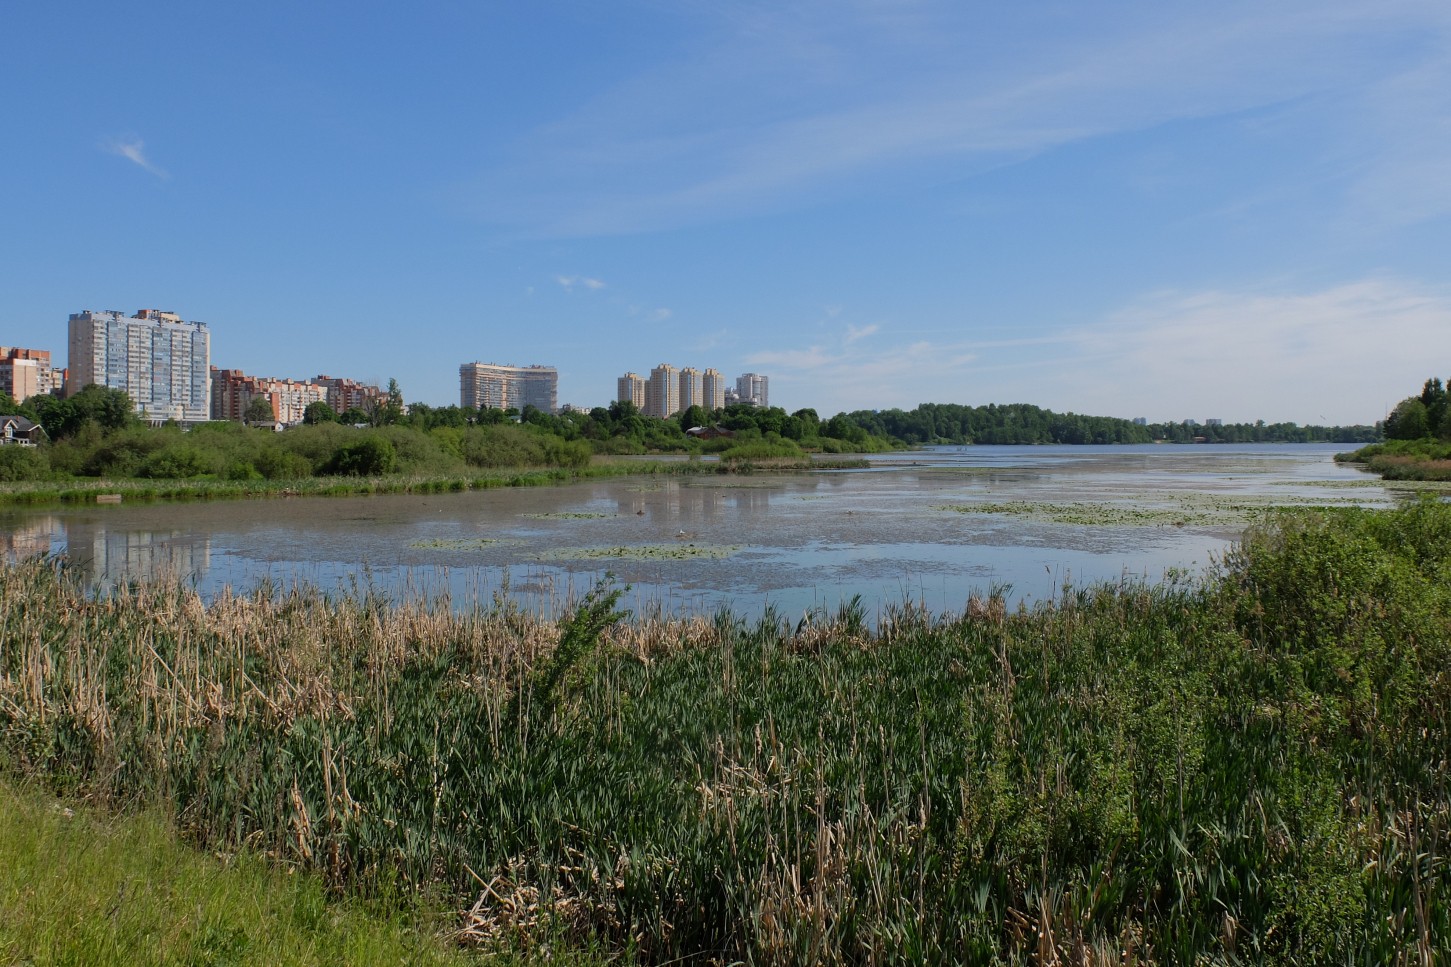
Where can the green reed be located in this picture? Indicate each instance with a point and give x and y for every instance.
(1249, 768)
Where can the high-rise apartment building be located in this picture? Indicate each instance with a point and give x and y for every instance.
(160, 361)
(752, 388)
(26, 372)
(345, 394)
(662, 393)
(692, 388)
(233, 391)
(486, 385)
(714, 387)
(630, 388)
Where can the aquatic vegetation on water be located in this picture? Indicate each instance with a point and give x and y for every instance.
(1149, 509)
(457, 543)
(566, 515)
(641, 552)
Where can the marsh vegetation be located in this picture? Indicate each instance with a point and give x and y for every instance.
(1253, 766)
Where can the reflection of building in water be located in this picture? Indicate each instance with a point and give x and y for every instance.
(29, 539)
(694, 503)
(108, 556)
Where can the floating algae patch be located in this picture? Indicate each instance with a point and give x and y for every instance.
(567, 515)
(456, 543)
(642, 552)
(1088, 514)
(1154, 510)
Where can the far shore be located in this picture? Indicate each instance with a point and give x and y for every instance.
(84, 490)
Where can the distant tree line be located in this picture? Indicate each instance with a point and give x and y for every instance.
(1023, 423)
(97, 433)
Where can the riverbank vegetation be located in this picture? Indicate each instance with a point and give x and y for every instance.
(1417, 439)
(95, 435)
(1254, 766)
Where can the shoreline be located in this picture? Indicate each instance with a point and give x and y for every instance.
(87, 490)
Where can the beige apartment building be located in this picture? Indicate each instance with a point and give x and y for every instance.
(630, 388)
(692, 388)
(27, 372)
(713, 385)
(662, 393)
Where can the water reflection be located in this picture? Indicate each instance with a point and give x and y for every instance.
(22, 538)
(109, 556)
(793, 541)
(106, 555)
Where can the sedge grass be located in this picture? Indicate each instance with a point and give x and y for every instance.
(1251, 767)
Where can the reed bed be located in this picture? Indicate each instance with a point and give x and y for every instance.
(137, 489)
(1248, 768)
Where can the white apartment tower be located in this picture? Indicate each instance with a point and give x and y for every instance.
(752, 388)
(662, 393)
(495, 387)
(160, 361)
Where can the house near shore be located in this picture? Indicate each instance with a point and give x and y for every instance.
(18, 430)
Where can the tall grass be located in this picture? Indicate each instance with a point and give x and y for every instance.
(86, 491)
(1249, 768)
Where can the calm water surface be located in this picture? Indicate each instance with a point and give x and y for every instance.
(931, 526)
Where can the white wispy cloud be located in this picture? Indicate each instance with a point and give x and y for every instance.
(134, 151)
(1341, 354)
(661, 314)
(568, 282)
(792, 104)
(847, 376)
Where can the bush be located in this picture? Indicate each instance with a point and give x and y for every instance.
(23, 463)
(369, 457)
(176, 462)
(275, 463)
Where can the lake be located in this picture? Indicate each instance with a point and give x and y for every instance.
(929, 526)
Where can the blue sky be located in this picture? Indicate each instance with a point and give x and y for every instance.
(1164, 209)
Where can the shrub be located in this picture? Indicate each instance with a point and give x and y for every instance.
(369, 457)
(176, 462)
(23, 463)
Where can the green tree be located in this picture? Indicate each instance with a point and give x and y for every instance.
(259, 411)
(390, 409)
(694, 416)
(110, 409)
(1407, 421)
(318, 412)
(1433, 397)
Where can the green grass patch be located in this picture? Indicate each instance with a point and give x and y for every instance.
(82, 888)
